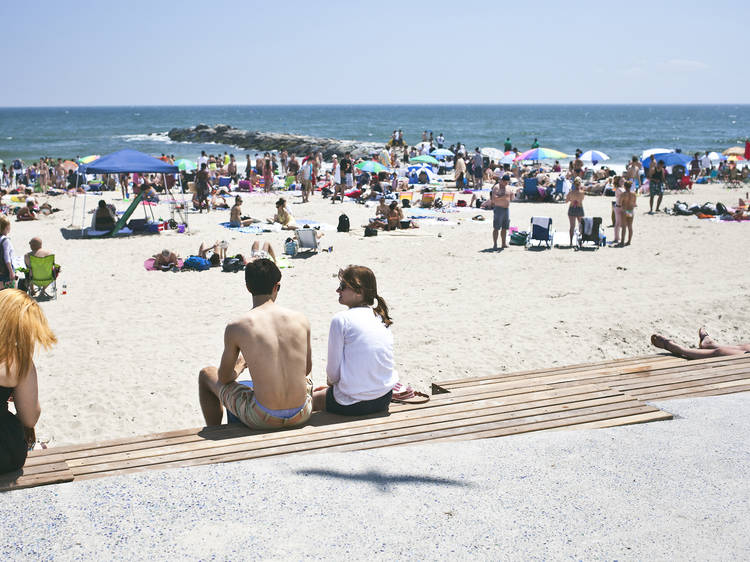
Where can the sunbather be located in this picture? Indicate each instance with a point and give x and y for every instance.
(283, 216)
(235, 215)
(264, 251)
(215, 253)
(166, 259)
(273, 343)
(360, 369)
(707, 347)
(23, 327)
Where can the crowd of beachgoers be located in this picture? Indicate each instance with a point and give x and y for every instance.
(398, 187)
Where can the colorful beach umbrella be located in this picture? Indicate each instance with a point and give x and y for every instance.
(426, 158)
(186, 165)
(70, 165)
(87, 159)
(371, 166)
(594, 156)
(541, 154)
(735, 158)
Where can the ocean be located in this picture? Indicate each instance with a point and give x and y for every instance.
(620, 131)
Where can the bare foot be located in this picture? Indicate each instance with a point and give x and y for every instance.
(659, 341)
(705, 339)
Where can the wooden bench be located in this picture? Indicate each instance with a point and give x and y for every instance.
(605, 394)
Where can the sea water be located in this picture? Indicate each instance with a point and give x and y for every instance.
(620, 131)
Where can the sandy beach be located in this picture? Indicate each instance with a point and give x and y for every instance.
(131, 341)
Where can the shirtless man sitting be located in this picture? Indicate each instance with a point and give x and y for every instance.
(235, 214)
(707, 347)
(274, 344)
(166, 259)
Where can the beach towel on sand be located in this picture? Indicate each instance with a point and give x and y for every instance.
(252, 229)
(149, 265)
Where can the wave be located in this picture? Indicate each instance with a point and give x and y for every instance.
(152, 137)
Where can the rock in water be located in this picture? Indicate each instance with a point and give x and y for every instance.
(262, 142)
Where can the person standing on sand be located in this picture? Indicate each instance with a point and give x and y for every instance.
(347, 171)
(617, 209)
(203, 188)
(575, 208)
(657, 176)
(338, 188)
(628, 205)
(273, 343)
(284, 158)
(267, 174)
(500, 197)
(478, 168)
(459, 171)
(633, 171)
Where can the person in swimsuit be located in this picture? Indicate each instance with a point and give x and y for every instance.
(360, 370)
(627, 206)
(500, 197)
(165, 260)
(657, 177)
(235, 215)
(617, 183)
(283, 216)
(575, 208)
(23, 327)
(259, 252)
(707, 347)
(273, 343)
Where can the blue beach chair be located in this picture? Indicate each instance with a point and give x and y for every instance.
(541, 231)
(531, 189)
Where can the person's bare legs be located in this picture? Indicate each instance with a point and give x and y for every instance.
(504, 237)
(269, 250)
(658, 202)
(208, 395)
(495, 232)
(255, 247)
(572, 228)
(689, 353)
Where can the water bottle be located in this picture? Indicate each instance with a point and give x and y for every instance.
(65, 289)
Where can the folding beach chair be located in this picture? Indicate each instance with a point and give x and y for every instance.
(307, 239)
(225, 181)
(406, 196)
(541, 231)
(590, 231)
(427, 200)
(42, 277)
(531, 189)
(561, 189)
(448, 199)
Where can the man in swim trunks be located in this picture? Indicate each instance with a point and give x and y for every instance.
(500, 197)
(707, 347)
(274, 344)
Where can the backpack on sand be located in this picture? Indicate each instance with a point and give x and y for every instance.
(196, 263)
(343, 223)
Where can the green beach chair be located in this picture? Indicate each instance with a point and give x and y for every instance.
(42, 277)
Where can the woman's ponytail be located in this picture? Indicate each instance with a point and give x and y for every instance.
(381, 309)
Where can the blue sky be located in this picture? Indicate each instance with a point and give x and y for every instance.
(220, 52)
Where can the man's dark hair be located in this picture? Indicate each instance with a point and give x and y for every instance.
(261, 276)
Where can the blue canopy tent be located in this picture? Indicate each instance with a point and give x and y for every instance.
(669, 159)
(126, 162)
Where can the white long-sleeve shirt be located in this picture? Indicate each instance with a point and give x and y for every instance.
(360, 356)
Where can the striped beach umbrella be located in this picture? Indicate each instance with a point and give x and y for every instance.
(541, 154)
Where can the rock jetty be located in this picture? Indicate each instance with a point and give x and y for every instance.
(260, 141)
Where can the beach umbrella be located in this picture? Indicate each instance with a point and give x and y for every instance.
(426, 158)
(716, 156)
(70, 165)
(507, 158)
(734, 150)
(371, 166)
(541, 154)
(735, 158)
(442, 152)
(186, 165)
(594, 156)
(88, 159)
(646, 153)
(494, 153)
(669, 158)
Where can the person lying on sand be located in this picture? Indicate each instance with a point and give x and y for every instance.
(165, 260)
(214, 253)
(259, 252)
(27, 213)
(707, 347)
(273, 343)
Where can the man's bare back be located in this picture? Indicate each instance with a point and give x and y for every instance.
(275, 346)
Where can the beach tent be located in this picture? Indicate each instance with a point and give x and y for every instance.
(126, 161)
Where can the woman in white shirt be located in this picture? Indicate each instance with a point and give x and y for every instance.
(360, 350)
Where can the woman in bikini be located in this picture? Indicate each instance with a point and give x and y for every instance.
(627, 207)
(617, 209)
(575, 208)
(707, 347)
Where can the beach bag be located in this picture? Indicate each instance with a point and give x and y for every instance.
(196, 263)
(405, 204)
(405, 394)
(343, 223)
(460, 203)
(232, 265)
(709, 209)
(290, 247)
(518, 238)
(370, 231)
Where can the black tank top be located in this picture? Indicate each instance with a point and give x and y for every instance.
(12, 442)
